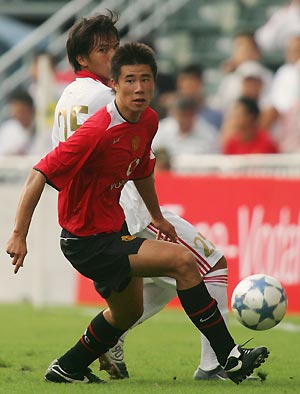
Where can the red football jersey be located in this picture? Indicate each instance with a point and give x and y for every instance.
(90, 169)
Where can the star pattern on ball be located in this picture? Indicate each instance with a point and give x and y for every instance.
(259, 302)
(239, 304)
(260, 284)
(266, 311)
(283, 295)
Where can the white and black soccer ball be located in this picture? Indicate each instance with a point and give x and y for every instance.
(259, 302)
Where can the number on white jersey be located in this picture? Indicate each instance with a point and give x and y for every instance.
(68, 122)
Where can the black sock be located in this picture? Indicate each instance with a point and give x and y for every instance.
(97, 339)
(202, 309)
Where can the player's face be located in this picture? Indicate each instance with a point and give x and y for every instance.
(134, 90)
(98, 60)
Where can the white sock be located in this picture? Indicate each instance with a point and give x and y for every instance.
(217, 287)
(155, 299)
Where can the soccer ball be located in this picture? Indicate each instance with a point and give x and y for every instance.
(259, 302)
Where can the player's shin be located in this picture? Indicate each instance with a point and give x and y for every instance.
(202, 309)
(216, 283)
(97, 339)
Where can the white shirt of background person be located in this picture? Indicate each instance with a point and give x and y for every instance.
(14, 138)
(185, 132)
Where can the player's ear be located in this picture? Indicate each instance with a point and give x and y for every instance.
(113, 84)
(81, 60)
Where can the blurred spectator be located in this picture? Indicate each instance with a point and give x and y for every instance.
(255, 84)
(164, 88)
(46, 86)
(245, 50)
(61, 78)
(283, 114)
(184, 132)
(163, 160)
(248, 136)
(18, 131)
(190, 83)
(283, 23)
(164, 93)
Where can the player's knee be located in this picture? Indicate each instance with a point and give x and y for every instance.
(186, 263)
(221, 264)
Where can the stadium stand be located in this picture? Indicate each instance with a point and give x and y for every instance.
(199, 29)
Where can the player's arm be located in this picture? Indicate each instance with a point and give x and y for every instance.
(16, 245)
(147, 191)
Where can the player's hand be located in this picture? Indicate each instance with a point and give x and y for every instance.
(166, 230)
(17, 249)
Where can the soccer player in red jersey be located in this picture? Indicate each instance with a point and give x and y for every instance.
(90, 46)
(89, 171)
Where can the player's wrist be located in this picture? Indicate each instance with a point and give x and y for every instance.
(20, 233)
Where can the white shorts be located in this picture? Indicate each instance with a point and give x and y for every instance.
(206, 254)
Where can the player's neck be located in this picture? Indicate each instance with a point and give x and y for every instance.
(89, 74)
(126, 113)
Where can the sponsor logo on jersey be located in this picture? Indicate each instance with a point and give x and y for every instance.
(127, 238)
(117, 185)
(132, 166)
(135, 143)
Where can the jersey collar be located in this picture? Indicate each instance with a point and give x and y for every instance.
(88, 74)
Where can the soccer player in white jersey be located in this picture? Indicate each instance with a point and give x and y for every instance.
(83, 97)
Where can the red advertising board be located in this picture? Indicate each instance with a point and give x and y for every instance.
(254, 221)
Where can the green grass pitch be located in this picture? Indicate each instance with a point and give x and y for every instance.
(161, 354)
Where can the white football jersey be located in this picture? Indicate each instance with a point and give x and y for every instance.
(137, 215)
(81, 99)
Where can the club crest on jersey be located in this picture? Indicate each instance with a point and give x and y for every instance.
(135, 143)
(127, 238)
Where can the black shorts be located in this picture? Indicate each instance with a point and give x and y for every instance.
(102, 257)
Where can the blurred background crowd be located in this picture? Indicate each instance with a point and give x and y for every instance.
(228, 82)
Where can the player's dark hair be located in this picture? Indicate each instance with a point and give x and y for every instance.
(250, 105)
(130, 54)
(88, 33)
